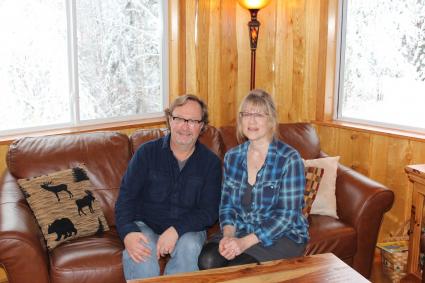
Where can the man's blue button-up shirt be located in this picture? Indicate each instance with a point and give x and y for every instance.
(155, 191)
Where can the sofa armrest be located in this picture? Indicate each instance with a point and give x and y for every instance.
(361, 203)
(22, 249)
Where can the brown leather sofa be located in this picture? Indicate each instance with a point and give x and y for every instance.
(361, 204)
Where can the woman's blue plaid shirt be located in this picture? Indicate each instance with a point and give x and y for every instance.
(277, 196)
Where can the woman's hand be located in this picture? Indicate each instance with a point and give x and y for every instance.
(230, 247)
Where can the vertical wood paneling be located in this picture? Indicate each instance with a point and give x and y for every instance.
(191, 11)
(397, 179)
(214, 63)
(328, 140)
(244, 53)
(379, 145)
(312, 33)
(228, 64)
(177, 54)
(266, 49)
(202, 48)
(3, 277)
(283, 62)
(298, 78)
(327, 59)
(3, 151)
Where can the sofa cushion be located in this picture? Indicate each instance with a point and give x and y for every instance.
(330, 235)
(88, 259)
(325, 202)
(313, 176)
(210, 137)
(228, 133)
(141, 136)
(64, 205)
(301, 136)
(105, 154)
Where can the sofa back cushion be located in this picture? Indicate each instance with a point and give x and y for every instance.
(210, 138)
(301, 136)
(105, 155)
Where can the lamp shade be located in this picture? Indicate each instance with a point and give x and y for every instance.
(253, 4)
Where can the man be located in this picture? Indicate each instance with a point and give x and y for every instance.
(169, 195)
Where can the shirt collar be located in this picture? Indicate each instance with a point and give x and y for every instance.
(270, 152)
(166, 141)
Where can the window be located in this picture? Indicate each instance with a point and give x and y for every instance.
(382, 64)
(74, 62)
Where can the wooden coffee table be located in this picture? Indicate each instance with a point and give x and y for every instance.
(310, 269)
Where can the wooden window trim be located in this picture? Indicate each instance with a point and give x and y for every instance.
(113, 126)
(390, 132)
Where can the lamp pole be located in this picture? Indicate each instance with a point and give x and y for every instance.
(254, 30)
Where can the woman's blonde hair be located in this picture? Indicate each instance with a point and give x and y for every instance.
(258, 98)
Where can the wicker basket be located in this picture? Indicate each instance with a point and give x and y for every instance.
(394, 262)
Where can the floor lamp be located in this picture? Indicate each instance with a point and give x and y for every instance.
(254, 28)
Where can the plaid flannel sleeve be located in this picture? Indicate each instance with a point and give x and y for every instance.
(227, 213)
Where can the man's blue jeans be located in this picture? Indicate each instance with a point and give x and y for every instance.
(184, 257)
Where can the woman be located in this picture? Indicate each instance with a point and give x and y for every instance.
(262, 195)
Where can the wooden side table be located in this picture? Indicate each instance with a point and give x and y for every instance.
(416, 174)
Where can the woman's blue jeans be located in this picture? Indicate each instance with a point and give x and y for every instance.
(184, 257)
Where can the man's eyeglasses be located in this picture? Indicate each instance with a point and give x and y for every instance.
(247, 115)
(190, 122)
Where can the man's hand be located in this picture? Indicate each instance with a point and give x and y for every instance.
(166, 242)
(136, 245)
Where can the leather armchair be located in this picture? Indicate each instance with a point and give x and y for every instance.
(361, 204)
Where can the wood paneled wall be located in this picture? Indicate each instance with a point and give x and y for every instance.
(211, 41)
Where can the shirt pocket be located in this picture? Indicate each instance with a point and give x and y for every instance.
(191, 191)
(159, 186)
(269, 193)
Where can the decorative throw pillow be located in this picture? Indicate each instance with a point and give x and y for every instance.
(325, 202)
(313, 176)
(64, 205)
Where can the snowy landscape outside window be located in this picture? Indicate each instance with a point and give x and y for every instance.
(382, 66)
(74, 62)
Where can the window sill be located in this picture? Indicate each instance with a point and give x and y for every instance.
(8, 139)
(403, 134)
